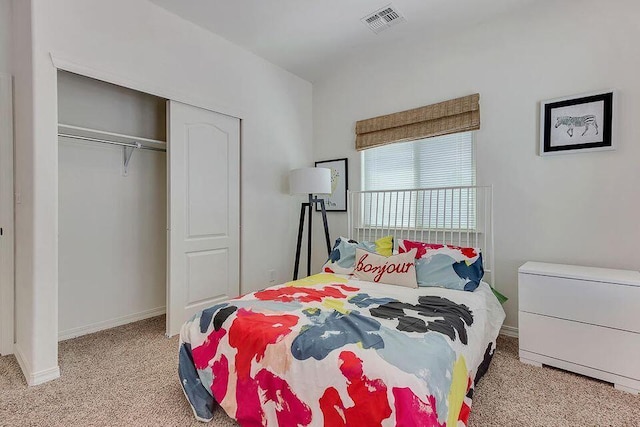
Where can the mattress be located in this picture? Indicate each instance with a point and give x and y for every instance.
(329, 350)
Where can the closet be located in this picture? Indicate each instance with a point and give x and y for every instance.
(111, 221)
(148, 207)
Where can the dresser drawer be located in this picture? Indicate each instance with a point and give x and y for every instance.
(606, 304)
(605, 349)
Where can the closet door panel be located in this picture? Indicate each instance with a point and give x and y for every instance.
(6, 216)
(204, 211)
(207, 162)
(207, 275)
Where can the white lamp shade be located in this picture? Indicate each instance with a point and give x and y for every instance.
(310, 181)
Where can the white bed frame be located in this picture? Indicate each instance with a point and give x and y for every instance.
(461, 216)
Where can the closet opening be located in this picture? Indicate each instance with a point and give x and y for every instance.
(112, 198)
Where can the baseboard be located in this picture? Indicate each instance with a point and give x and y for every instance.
(108, 324)
(509, 331)
(34, 378)
(22, 362)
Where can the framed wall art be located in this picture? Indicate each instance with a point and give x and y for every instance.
(577, 123)
(337, 200)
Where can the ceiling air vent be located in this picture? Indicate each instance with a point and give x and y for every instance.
(383, 18)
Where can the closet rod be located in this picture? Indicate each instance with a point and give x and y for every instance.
(104, 141)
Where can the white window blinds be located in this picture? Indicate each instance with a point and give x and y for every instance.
(444, 161)
(441, 161)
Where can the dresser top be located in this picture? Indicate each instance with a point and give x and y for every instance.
(594, 274)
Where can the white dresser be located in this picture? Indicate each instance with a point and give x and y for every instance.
(581, 319)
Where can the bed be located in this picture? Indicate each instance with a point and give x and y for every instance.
(336, 349)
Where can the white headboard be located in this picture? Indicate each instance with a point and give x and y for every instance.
(461, 216)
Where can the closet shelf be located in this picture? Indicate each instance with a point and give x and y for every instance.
(86, 134)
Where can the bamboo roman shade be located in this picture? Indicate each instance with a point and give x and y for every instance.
(443, 118)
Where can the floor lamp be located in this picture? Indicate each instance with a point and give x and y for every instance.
(310, 181)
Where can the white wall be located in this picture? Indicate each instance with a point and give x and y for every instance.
(112, 236)
(5, 36)
(575, 208)
(162, 54)
(112, 228)
(94, 104)
(36, 340)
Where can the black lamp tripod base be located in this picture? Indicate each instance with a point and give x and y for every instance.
(309, 205)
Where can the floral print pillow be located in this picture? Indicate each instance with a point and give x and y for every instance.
(446, 266)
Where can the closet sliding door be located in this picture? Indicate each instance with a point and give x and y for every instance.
(204, 211)
(6, 216)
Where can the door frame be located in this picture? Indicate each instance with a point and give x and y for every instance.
(63, 63)
(7, 243)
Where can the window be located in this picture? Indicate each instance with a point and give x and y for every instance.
(443, 161)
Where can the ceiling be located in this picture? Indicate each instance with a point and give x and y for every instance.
(309, 37)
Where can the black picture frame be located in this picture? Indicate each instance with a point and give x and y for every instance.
(577, 123)
(337, 201)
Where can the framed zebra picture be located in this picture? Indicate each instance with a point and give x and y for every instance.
(577, 123)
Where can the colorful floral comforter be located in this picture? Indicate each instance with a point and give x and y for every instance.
(327, 351)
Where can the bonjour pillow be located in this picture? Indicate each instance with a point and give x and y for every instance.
(393, 270)
(343, 256)
(446, 266)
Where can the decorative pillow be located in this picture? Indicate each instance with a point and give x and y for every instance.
(446, 266)
(393, 270)
(343, 255)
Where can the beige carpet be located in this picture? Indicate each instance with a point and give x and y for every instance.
(127, 376)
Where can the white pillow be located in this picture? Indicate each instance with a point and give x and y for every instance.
(394, 270)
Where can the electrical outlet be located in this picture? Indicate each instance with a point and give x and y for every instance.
(272, 277)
